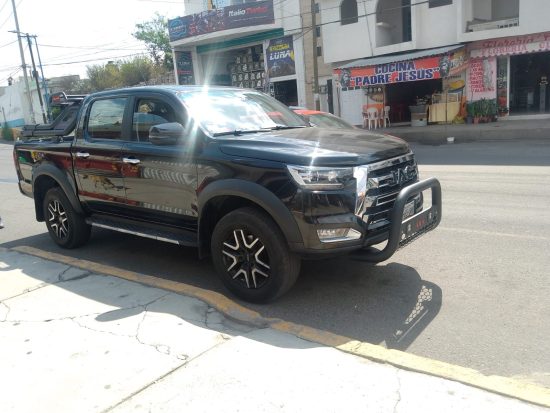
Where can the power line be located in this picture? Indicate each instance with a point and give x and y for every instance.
(7, 44)
(11, 14)
(5, 3)
(88, 47)
(94, 60)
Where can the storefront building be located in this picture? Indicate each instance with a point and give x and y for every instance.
(514, 71)
(254, 45)
(417, 87)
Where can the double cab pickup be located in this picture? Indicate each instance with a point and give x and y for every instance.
(229, 171)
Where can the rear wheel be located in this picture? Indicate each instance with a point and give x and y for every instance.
(66, 227)
(251, 256)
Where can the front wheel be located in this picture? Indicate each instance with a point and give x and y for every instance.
(251, 256)
(66, 227)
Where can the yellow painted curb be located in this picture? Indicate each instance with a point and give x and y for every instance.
(501, 385)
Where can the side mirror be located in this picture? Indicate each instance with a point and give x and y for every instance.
(166, 133)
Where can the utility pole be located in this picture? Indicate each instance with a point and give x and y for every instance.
(315, 68)
(35, 75)
(23, 65)
(44, 85)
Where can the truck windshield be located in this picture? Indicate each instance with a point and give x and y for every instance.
(233, 112)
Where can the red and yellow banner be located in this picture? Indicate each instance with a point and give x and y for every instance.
(434, 67)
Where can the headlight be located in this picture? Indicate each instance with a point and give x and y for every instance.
(320, 177)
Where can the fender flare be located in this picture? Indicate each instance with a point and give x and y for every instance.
(258, 195)
(65, 182)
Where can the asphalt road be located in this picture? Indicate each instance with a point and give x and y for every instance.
(474, 292)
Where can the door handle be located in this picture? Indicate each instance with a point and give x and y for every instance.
(132, 161)
(83, 155)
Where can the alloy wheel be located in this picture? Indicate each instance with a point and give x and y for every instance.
(57, 219)
(246, 259)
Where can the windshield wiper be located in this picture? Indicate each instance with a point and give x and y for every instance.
(281, 127)
(238, 132)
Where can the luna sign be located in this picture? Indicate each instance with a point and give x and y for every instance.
(406, 71)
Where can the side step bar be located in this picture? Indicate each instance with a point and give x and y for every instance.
(179, 237)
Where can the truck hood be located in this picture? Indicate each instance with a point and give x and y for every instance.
(315, 146)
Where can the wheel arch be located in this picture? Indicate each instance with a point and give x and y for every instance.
(48, 176)
(222, 197)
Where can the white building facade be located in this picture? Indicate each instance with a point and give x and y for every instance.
(402, 53)
(251, 44)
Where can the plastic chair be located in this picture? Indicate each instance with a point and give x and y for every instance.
(372, 117)
(365, 117)
(387, 116)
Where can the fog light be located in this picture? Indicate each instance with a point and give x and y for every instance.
(338, 234)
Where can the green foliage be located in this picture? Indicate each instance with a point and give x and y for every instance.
(7, 133)
(482, 108)
(104, 77)
(120, 73)
(154, 34)
(135, 71)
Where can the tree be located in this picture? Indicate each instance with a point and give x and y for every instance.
(121, 73)
(104, 76)
(136, 71)
(154, 34)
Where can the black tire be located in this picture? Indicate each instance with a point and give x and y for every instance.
(66, 226)
(251, 256)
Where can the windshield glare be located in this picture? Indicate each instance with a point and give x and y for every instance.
(326, 120)
(225, 111)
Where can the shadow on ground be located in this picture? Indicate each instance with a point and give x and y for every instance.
(388, 304)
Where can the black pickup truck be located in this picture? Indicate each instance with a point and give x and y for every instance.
(232, 172)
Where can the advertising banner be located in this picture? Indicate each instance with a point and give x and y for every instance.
(434, 67)
(230, 17)
(532, 43)
(184, 68)
(482, 78)
(280, 57)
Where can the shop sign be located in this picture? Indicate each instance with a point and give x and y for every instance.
(482, 78)
(184, 68)
(280, 57)
(434, 67)
(533, 43)
(230, 17)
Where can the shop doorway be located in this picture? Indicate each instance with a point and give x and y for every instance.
(529, 92)
(399, 96)
(286, 92)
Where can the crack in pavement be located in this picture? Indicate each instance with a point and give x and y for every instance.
(398, 392)
(7, 312)
(160, 348)
(162, 377)
(46, 284)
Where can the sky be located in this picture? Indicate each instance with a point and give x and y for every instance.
(75, 33)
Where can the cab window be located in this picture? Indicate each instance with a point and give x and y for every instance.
(105, 119)
(147, 113)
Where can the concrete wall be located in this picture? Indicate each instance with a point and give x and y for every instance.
(14, 101)
(431, 27)
(533, 18)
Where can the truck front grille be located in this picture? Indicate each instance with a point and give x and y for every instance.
(378, 186)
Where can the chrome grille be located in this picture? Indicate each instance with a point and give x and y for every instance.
(378, 186)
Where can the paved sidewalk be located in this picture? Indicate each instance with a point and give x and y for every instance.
(536, 129)
(72, 340)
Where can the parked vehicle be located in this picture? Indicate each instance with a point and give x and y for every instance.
(323, 119)
(232, 172)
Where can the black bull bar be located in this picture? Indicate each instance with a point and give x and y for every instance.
(402, 232)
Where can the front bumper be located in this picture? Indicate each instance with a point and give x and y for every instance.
(400, 232)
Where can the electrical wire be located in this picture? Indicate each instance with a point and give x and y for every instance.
(7, 44)
(11, 14)
(4, 5)
(95, 60)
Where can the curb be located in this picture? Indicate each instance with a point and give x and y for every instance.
(496, 384)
